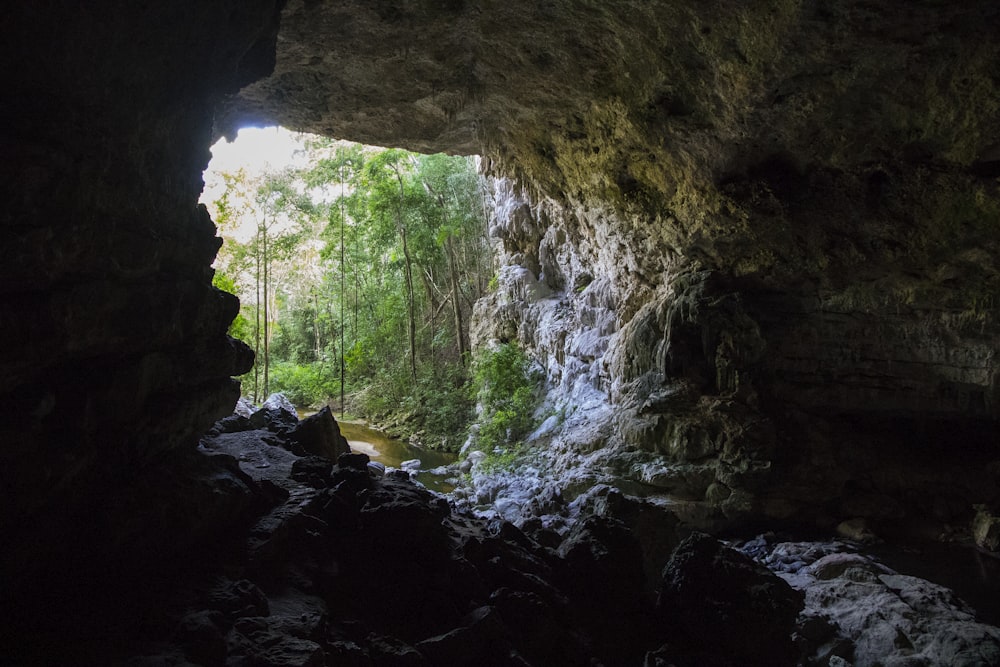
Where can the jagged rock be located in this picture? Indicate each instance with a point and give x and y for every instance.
(232, 424)
(244, 408)
(753, 248)
(319, 435)
(312, 470)
(392, 652)
(480, 639)
(737, 611)
(539, 629)
(354, 460)
(278, 401)
(411, 465)
(237, 599)
(202, 638)
(275, 418)
(861, 612)
(252, 642)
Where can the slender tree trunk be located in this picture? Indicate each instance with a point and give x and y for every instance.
(408, 273)
(317, 348)
(256, 331)
(267, 317)
(456, 298)
(343, 290)
(410, 308)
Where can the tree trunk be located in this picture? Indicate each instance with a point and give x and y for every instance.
(256, 331)
(456, 303)
(343, 289)
(410, 308)
(267, 316)
(408, 273)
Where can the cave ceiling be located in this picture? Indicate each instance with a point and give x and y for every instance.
(596, 98)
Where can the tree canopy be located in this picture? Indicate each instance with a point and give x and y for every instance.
(357, 275)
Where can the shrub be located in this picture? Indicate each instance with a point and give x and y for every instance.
(304, 384)
(506, 389)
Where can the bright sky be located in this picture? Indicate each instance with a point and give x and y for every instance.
(255, 149)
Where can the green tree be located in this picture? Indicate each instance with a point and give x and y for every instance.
(361, 271)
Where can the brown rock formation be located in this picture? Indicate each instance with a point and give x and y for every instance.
(784, 215)
(765, 233)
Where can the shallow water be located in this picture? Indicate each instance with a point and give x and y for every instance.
(391, 452)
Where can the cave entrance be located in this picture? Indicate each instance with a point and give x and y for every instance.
(357, 268)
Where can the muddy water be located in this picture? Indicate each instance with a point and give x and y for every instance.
(392, 452)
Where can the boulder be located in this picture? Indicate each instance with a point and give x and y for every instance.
(860, 613)
(312, 470)
(278, 401)
(244, 408)
(481, 639)
(319, 435)
(275, 419)
(354, 461)
(730, 609)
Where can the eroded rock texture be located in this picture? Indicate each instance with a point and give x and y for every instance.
(758, 242)
(754, 245)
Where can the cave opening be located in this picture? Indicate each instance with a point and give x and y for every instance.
(748, 340)
(321, 243)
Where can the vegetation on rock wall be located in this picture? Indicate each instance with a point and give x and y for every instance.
(507, 390)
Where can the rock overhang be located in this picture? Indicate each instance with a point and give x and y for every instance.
(831, 167)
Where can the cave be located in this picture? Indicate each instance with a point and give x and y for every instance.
(755, 248)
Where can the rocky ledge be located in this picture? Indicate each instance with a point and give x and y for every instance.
(293, 559)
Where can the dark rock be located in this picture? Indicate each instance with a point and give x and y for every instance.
(232, 424)
(726, 609)
(319, 435)
(257, 645)
(173, 659)
(237, 599)
(312, 470)
(346, 653)
(481, 639)
(353, 460)
(602, 570)
(603, 561)
(201, 635)
(275, 417)
(392, 652)
(541, 632)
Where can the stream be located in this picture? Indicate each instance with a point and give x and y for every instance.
(391, 452)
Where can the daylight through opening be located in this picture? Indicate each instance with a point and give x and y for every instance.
(357, 269)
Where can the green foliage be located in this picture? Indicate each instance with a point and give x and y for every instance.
(240, 327)
(304, 384)
(506, 389)
(368, 255)
(502, 458)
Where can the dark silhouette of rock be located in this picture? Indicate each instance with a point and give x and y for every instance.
(319, 435)
(312, 470)
(722, 608)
